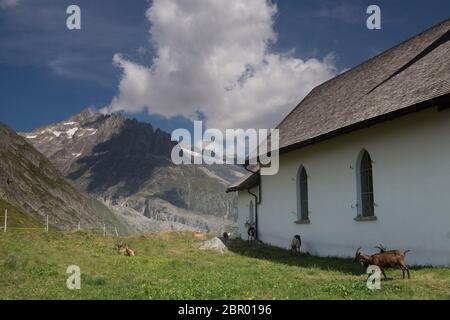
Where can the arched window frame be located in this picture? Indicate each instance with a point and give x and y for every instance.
(302, 195)
(365, 190)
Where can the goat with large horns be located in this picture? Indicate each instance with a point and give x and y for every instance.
(384, 259)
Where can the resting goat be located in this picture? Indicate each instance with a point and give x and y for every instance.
(125, 250)
(296, 243)
(384, 259)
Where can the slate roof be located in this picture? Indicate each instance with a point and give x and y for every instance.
(408, 77)
(248, 181)
(413, 72)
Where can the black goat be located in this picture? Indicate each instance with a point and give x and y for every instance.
(251, 233)
(296, 243)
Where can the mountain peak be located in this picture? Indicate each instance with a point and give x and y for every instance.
(88, 111)
(128, 163)
(86, 115)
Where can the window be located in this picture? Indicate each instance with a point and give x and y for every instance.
(302, 195)
(365, 186)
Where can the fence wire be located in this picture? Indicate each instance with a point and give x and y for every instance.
(106, 230)
(20, 228)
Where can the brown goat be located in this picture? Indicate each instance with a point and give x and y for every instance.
(129, 252)
(381, 247)
(384, 259)
(125, 250)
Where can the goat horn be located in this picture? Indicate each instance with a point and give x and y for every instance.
(357, 254)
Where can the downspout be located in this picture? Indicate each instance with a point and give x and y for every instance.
(257, 197)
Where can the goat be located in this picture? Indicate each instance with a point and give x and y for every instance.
(385, 259)
(296, 243)
(119, 247)
(125, 250)
(381, 248)
(226, 236)
(129, 252)
(251, 233)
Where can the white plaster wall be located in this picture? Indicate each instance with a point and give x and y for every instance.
(244, 210)
(411, 173)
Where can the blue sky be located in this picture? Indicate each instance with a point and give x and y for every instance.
(48, 73)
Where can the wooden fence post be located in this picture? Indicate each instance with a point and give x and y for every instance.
(6, 220)
(117, 233)
(104, 230)
(46, 224)
(79, 225)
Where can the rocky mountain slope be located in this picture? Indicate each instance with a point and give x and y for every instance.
(126, 164)
(30, 182)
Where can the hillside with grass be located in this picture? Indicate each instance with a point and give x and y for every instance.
(170, 266)
(17, 218)
(33, 186)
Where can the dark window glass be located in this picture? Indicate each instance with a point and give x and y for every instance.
(367, 199)
(303, 195)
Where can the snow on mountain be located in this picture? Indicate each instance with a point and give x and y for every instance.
(127, 164)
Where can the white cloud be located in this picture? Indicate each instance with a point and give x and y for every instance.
(213, 57)
(8, 3)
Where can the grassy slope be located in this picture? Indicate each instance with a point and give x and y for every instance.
(38, 184)
(170, 266)
(17, 218)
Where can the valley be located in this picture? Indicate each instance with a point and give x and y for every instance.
(125, 165)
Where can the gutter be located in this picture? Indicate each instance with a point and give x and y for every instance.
(257, 197)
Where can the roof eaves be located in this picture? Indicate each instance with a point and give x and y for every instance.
(440, 101)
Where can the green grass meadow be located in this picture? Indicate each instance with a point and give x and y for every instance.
(170, 266)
